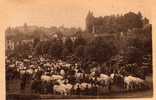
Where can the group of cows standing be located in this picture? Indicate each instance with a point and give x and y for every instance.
(60, 77)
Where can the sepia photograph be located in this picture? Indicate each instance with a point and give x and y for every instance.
(78, 49)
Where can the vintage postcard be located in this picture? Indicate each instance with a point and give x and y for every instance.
(77, 49)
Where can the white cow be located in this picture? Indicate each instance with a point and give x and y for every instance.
(56, 77)
(30, 71)
(76, 86)
(30, 56)
(45, 78)
(112, 75)
(32, 66)
(59, 89)
(47, 65)
(69, 88)
(26, 60)
(131, 82)
(63, 89)
(67, 65)
(92, 74)
(83, 86)
(12, 65)
(104, 79)
(60, 81)
(22, 72)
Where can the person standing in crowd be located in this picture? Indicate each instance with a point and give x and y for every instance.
(78, 90)
(23, 82)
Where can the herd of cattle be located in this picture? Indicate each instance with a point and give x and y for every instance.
(61, 77)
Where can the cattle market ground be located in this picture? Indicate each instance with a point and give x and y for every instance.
(14, 93)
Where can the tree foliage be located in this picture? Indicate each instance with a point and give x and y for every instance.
(115, 23)
(100, 50)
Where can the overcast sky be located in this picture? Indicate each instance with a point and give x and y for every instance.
(70, 13)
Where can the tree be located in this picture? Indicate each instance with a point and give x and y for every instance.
(79, 41)
(114, 23)
(79, 51)
(145, 21)
(38, 48)
(132, 20)
(147, 33)
(36, 41)
(65, 52)
(133, 55)
(100, 50)
(55, 48)
(23, 49)
(69, 45)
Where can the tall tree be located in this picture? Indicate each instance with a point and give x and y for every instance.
(100, 50)
(69, 44)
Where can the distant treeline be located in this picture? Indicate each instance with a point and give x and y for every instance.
(27, 32)
(115, 23)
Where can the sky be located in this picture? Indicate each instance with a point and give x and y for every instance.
(69, 13)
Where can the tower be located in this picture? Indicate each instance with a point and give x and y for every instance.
(89, 22)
